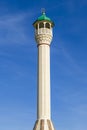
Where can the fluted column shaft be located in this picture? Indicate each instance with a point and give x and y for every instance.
(43, 106)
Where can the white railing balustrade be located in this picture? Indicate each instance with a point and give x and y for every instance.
(43, 31)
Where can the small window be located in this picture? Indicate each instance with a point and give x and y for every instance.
(47, 25)
(41, 25)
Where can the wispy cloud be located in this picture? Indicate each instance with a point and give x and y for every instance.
(70, 60)
(13, 28)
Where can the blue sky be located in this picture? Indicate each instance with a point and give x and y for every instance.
(18, 63)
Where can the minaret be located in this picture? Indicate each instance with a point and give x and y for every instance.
(43, 36)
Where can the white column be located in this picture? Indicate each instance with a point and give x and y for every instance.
(43, 82)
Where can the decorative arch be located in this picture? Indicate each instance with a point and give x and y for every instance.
(41, 25)
(47, 25)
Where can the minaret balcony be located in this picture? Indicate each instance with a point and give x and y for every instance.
(43, 31)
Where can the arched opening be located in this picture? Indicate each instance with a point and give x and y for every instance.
(41, 25)
(47, 25)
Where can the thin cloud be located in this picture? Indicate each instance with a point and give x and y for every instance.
(13, 28)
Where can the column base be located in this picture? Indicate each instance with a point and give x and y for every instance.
(43, 124)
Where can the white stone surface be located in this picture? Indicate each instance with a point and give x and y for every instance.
(44, 81)
(43, 35)
(43, 38)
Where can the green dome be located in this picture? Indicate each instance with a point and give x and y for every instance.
(43, 17)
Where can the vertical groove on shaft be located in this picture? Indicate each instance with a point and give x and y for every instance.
(42, 125)
(49, 124)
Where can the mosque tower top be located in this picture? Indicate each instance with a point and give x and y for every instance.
(43, 29)
(43, 17)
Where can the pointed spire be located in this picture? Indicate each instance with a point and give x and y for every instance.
(43, 11)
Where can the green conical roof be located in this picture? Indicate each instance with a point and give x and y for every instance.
(43, 17)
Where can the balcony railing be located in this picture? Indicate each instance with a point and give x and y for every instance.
(43, 31)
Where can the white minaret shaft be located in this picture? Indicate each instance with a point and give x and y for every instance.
(43, 35)
(43, 81)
